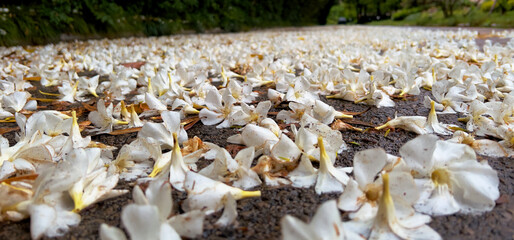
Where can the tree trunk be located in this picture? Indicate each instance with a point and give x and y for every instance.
(492, 7)
(323, 14)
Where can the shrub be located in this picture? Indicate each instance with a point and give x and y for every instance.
(403, 13)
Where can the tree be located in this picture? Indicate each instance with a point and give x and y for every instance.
(447, 6)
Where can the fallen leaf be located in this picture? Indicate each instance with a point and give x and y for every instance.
(32, 78)
(502, 199)
(20, 178)
(342, 126)
(8, 130)
(125, 131)
(136, 65)
(355, 113)
(234, 149)
(191, 124)
(192, 145)
(89, 107)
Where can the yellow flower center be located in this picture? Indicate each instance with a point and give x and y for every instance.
(373, 192)
(441, 177)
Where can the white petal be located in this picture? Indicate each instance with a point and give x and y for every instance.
(141, 221)
(440, 202)
(229, 212)
(154, 103)
(159, 194)
(294, 229)
(209, 117)
(418, 152)
(189, 224)
(168, 233)
(476, 186)
(349, 200)
(402, 185)
(285, 150)
(327, 221)
(326, 183)
(111, 233)
(50, 221)
(367, 164)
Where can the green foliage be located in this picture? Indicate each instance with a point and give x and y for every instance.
(486, 6)
(403, 13)
(340, 10)
(36, 22)
(501, 5)
(472, 16)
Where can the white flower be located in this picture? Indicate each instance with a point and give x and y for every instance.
(433, 125)
(162, 132)
(326, 224)
(87, 86)
(18, 101)
(103, 119)
(275, 96)
(394, 220)
(327, 178)
(362, 195)
(450, 177)
(414, 124)
(295, 114)
(219, 109)
(285, 150)
(299, 92)
(96, 183)
(237, 170)
(306, 138)
(250, 114)
(50, 221)
(481, 146)
(67, 91)
(479, 124)
(254, 136)
(240, 93)
(154, 103)
(174, 165)
(207, 195)
(271, 170)
(151, 216)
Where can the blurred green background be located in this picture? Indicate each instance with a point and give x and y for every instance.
(25, 22)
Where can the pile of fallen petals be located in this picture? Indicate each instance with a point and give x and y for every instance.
(159, 87)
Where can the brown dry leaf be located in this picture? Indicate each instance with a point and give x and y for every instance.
(502, 199)
(234, 149)
(355, 113)
(142, 107)
(136, 65)
(190, 122)
(31, 89)
(88, 107)
(241, 69)
(94, 144)
(487, 35)
(342, 126)
(32, 78)
(60, 105)
(192, 145)
(84, 124)
(20, 178)
(125, 131)
(44, 99)
(8, 130)
(259, 56)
